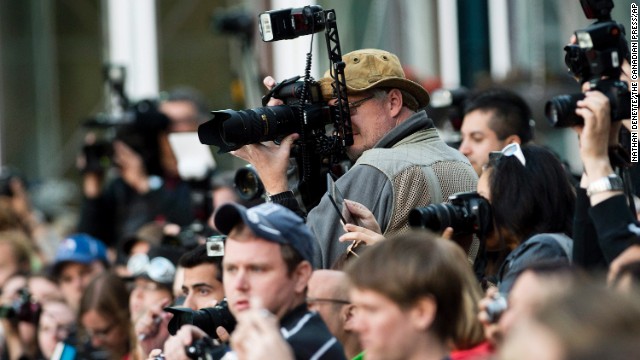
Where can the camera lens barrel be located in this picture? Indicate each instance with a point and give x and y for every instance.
(230, 130)
(560, 111)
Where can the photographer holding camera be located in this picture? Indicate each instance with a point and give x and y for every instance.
(598, 58)
(396, 148)
(267, 256)
(145, 189)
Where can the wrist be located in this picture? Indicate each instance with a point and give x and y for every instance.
(605, 187)
(597, 168)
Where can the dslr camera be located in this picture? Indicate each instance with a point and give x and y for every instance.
(304, 111)
(23, 309)
(207, 319)
(466, 213)
(598, 52)
(137, 125)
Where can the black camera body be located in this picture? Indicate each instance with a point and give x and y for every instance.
(207, 319)
(136, 124)
(23, 309)
(598, 52)
(466, 213)
(304, 111)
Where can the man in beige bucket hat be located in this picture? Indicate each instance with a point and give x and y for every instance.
(400, 162)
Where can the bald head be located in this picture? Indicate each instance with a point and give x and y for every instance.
(329, 284)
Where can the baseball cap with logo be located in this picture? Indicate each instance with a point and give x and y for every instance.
(272, 222)
(368, 69)
(79, 248)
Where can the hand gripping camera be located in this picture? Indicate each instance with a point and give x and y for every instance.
(596, 58)
(304, 110)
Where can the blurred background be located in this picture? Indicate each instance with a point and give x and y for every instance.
(52, 53)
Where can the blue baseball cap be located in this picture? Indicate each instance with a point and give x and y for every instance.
(79, 248)
(272, 222)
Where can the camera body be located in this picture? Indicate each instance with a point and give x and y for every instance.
(466, 213)
(598, 52)
(207, 319)
(23, 309)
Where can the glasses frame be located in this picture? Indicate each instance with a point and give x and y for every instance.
(327, 300)
(102, 333)
(512, 149)
(353, 106)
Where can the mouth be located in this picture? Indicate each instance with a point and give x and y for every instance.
(241, 305)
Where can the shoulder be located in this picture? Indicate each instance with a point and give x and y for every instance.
(544, 246)
(310, 338)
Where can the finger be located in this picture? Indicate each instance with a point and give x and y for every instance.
(447, 233)
(288, 141)
(269, 82)
(222, 333)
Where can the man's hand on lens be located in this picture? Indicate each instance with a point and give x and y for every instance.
(269, 159)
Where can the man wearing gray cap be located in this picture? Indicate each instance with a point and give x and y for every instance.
(267, 260)
(400, 162)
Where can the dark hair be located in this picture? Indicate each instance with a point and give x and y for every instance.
(531, 199)
(409, 266)
(198, 256)
(511, 114)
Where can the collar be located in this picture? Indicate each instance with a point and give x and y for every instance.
(416, 122)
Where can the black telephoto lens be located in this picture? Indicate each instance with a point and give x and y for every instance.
(230, 130)
(561, 110)
(436, 217)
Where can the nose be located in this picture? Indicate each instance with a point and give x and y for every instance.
(241, 282)
(189, 302)
(464, 148)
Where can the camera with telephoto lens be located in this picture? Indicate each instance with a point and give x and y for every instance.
(23, 309)
(135, 124)
(207, 319)
(596, 57)
(466, 213)
(304, 110)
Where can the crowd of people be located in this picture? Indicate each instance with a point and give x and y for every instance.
(552, 275)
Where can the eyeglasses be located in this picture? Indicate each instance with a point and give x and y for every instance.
(158, 269)
(353, 106)
(512, 149)
(100, 333)
(311, 300)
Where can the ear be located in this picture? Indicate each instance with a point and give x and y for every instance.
(423, 312)
(301, 276)
(346, 316)
(395, 102)
(512, 139)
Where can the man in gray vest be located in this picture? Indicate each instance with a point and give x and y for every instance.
(400, 162)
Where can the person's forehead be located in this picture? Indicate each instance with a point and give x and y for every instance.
(251, 249)
(72, 267)
(201, 273)
(477, 120)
